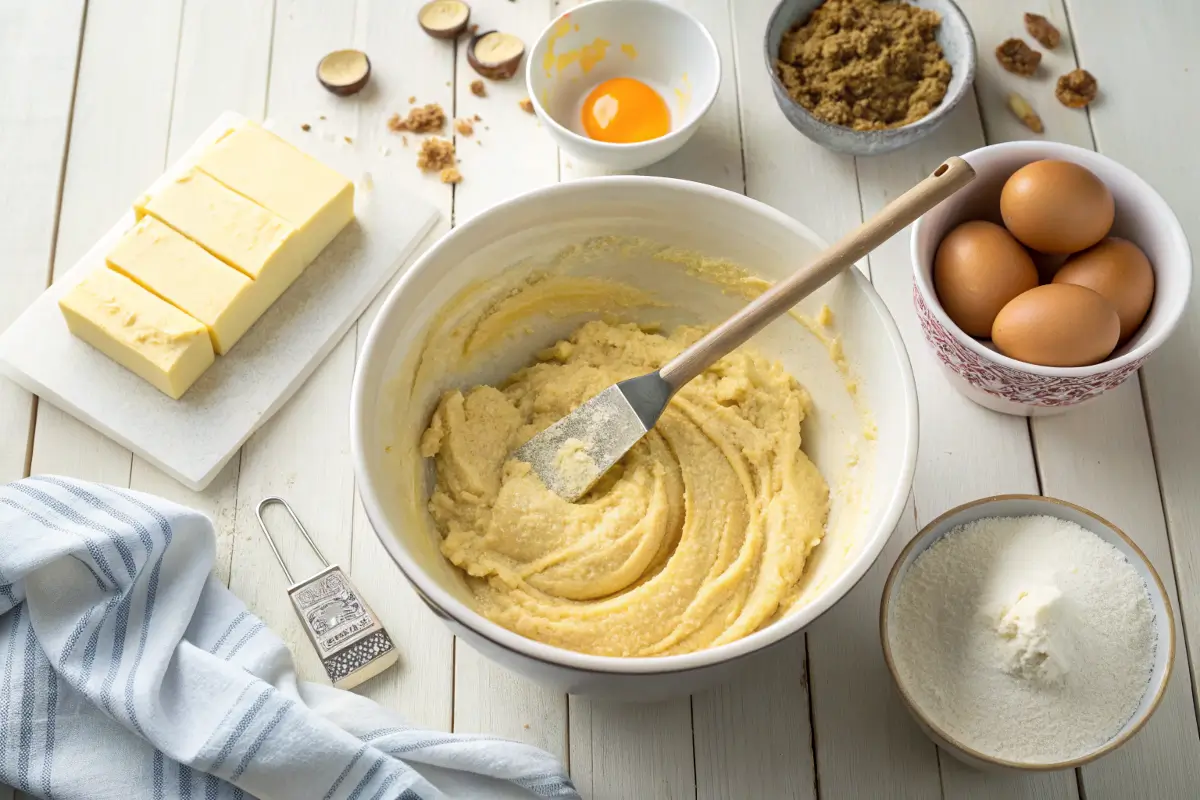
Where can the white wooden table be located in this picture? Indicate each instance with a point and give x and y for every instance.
(96, 97)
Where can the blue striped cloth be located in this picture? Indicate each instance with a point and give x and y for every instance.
(130, 672)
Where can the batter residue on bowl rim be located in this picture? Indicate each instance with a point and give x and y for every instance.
(698, 537)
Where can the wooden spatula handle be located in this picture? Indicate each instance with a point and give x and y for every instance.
(945, 181)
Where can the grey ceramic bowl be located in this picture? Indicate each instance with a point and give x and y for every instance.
(958, 44)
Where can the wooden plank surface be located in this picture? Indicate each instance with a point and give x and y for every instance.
(819, 717)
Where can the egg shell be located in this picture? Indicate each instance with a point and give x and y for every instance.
(1057, 325)
(977, 269)
(1056, 207)
(1118, 270)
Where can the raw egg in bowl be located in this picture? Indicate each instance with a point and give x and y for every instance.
(623, 83)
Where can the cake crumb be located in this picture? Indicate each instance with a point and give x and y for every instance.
(451, 175)
(464, 126)
(526, 105)
(436, 154)
(1076, 89)
(478, 89)
(478, 118)
(348, 140)
(321, 117)
(306, 127)
(423, 119)
(526, 726)
(1042, 30)
(412, 99)
(1017, 57)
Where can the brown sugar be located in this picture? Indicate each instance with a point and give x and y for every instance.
(436, 154)
(464, 126)
(1042, 31)
(422, 119)
(1017, 57)
(1076, 89)
(865, 64)
(478, 89)
(451, 175)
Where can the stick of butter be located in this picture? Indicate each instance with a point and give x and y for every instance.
(190, 278)
(141, 332)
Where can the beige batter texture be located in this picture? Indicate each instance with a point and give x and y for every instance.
(698, 537)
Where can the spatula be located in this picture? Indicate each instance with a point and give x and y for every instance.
(573, 453)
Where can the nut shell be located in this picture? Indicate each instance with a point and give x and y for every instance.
(495, 55)
(344, 72)
(444, 19)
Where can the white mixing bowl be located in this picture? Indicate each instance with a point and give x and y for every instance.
(862, 433)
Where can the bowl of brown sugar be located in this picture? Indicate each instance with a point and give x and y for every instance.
(866, 77)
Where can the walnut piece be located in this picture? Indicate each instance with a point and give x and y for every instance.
(526, 105)
(1042, 30)
(436, 154)
(464, 126)
(451, 175)
(1076, 89)
(478, 89)
(1017, 57)
(1029, 118)
(422, 119)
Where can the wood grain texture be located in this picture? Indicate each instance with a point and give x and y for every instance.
(623, 751)
(39, 49)
(1144, 64)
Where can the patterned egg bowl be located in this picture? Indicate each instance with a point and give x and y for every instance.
(1009, 386)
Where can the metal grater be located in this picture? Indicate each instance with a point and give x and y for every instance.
(350, 640)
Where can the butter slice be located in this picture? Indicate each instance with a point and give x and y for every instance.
(241, 233)
(190, 278)
(255, 163)
(141, 332)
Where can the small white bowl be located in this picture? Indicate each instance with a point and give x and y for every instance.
(1009, 386)
(658, 44)
(1017, 505)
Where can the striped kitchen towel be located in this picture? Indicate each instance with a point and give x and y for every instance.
(130, 672)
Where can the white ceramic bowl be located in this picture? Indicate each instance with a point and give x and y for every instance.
(1015, 505)
(1004, 384)
(395, 391)
(658, 44)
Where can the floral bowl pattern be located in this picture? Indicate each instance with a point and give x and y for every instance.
(1015, 387)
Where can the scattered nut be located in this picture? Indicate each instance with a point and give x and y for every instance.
(478, 118)
(464, 126)
(495, 55)
(451, 175)
(436, 154)
(306, 127)
(1017, 57)
(478, 89)
(444, 19)
(1029, 118)
(1076, 89)
(344, 72)
(1042, 30)
(423, 119)
(526, 105)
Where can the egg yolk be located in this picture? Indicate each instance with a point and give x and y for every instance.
(625, 110)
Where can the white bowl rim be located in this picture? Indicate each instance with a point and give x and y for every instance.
(468, 617)
(1144, 348)
(622, 147)
(1051, 506)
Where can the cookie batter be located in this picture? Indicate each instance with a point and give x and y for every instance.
(696, 538)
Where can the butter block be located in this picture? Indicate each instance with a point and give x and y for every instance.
(138, 330)
(164, 261)
(257, 164)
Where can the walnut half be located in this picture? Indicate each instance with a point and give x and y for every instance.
(1042, 30)
(1017, 57)
(1076, 89)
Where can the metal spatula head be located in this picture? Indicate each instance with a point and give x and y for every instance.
(572, 454)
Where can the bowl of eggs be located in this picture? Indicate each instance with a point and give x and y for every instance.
(1049, 279)
(623, 83)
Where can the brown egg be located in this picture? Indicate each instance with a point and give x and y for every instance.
(1056, 207)
(1057, 325)
(978, 268)
(1118, 270)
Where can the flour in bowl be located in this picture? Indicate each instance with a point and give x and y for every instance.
(1028, 639)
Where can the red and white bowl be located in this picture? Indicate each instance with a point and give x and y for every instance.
(1004, 384)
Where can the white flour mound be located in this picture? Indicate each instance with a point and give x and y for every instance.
(1028, 639)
